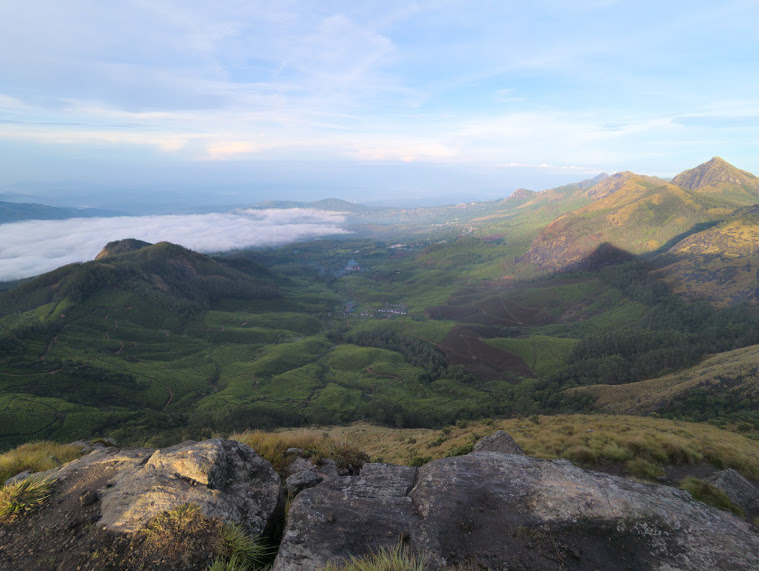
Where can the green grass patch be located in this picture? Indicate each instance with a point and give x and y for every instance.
(544, 354)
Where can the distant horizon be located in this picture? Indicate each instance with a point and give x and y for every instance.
(370, 101)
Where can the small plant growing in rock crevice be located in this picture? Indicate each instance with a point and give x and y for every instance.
(395, 558)
(185, 535)
(238, 547)
(20, 497)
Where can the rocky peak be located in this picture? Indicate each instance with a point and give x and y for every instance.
(713, 173)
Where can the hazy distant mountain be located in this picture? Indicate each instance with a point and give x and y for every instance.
(18, 211)
(332, 204)
(620, 180)
(519, 196)
(589, 182)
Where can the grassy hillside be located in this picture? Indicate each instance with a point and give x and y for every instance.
(719, 264)
(723, 387)
(634, 445)
(640, 216)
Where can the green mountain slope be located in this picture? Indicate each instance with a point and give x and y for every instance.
(635, 213)
(724, 386)
(719, 264)
(166, 274)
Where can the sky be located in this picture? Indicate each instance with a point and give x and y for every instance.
(240, 101)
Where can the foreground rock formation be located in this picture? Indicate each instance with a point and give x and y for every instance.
(101, 502)
(492, 509)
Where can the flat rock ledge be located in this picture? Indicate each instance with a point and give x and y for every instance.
(493, 510)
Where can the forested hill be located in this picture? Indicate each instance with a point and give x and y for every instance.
(171, 276)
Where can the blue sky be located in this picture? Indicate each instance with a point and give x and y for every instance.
(246, 100)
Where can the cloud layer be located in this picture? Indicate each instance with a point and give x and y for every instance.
(37, 246)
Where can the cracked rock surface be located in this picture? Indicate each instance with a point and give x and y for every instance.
(493, 509)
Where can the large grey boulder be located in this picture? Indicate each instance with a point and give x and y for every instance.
(497, 510)
(225, 478)
(741, 491)
(348, 515)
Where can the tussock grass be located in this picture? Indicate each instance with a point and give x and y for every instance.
(241, 550)
(645, 469)
(20, 497)
(589, 440)
(396, 558)
(710, 494)
(273, 447)
(36, 456)
(179, 533)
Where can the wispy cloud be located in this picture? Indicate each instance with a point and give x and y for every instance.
(37, 246)
(462, 82)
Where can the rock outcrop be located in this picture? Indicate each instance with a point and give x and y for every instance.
(499, 441)
(492, 509)
(742, 492)
(227, 479)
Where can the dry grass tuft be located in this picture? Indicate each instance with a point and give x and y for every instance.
(36, 456)
(273, 447)
(396, 558)
(587, 439)
(183, 532)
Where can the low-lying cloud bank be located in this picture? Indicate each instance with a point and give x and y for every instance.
(37, 246)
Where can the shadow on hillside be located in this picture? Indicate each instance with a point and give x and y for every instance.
(695, 229)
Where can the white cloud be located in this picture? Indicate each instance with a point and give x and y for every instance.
(231, 149)
(37, 246)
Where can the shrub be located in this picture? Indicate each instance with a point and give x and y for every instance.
(183, 532)
(236, 546)
(581, 455)
(613, 452)
(460, 450)
(273, 447)
(642, 468)
(420, 460)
